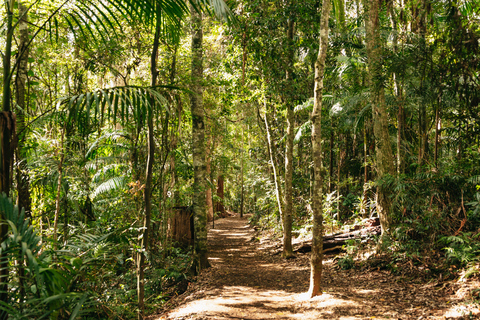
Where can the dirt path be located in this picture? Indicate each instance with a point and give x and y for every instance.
(247, 282)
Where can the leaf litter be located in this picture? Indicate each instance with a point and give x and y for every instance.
(249, 281)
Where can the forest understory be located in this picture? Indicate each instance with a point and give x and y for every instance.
(249, 280)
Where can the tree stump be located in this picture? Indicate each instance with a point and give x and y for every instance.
(182, 228)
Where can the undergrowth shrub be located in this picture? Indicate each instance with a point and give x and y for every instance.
(463, 249)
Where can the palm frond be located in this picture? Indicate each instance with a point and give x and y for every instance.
(109, 185)
(129, 103)
(302, 131)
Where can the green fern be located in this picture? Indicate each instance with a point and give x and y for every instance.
(45, 288)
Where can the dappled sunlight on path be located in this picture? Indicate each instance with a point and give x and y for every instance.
(247, 282)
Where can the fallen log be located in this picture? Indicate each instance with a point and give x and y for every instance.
(337, 241)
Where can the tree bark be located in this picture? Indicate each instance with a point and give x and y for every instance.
(242, 189)
(209, 175)
(198, 145)
(147, 192)
(316, 118)
(273, 162)
(287, 215)
(384, 155)
(23, 186)
(219, 207)
(7, 147)
(59, 190)
(438, 124)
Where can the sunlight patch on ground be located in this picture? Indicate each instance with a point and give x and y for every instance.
(459, 311)
(236, 235)
(326, 300)
(366, 292)
(239, 301)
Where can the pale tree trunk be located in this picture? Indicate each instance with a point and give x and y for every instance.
(198, 143)
(316, 117)
(384, 155)
(287, 215)
(438, 124)
(273, 162)
(59, 189)
(398, 89)
(23, 199)
(242, 191)
(209, 198)
(364, 212)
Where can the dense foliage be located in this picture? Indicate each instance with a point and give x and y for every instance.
(80, 85)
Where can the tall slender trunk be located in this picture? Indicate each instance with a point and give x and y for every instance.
(400, 100)
(198, 145)
(437, 131)
(147, 192)
(421, 29)
(330, 166)
(384, 155)
(364, 212)
(287, 215)
(219, 207)
(209, 198)
(316, 117)
(273, 162)
(23, 199)
(59, 189)
(242, 189)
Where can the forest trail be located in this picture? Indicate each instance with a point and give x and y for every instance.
(247, 282)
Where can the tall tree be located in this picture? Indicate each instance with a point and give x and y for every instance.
(23, 199)
(316, 118)
(7, 144)
(287, 214)
(383, 147)
(198, 142)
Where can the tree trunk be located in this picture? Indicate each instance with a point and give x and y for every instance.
(271, 148)
(23, 199)
(364, 212)
(219, 207)
(198, 145)
(59, 190)
(437, 132)
(287, 215)
(147, 192)
(242, 189)
(421, 29)
(384, 155)
(330, 167)
(7, 140)
(316, 117)
(209, 175)
(400, 100)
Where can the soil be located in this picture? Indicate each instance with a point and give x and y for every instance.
(248, 280)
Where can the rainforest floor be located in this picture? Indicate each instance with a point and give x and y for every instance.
(248, 280)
